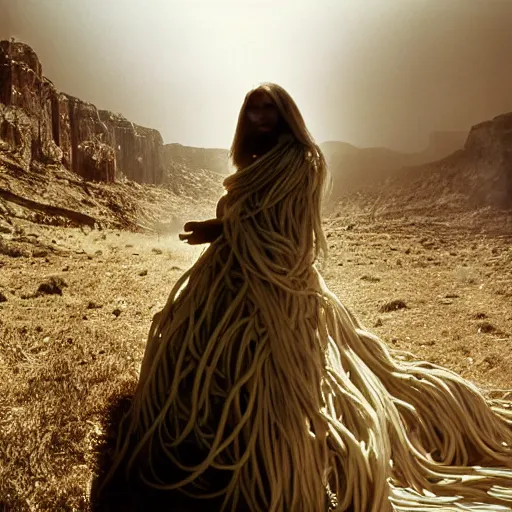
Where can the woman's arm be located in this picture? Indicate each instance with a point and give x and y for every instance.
(221, 206)
(207, 231)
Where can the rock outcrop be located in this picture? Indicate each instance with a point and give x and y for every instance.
(477, 176)
(355, 169)
(16, 134)
(489, 149)
(138, 150)
(39, 123)
(29, 116)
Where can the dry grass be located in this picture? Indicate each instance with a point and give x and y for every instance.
(65, 359)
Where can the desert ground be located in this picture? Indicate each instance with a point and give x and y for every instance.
(76, 306)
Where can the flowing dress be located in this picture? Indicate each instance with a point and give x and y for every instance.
(260, 388)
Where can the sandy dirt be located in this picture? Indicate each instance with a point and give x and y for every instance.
(65, 355)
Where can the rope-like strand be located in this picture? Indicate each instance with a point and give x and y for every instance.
(255, 371)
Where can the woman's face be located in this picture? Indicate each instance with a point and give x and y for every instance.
(261, 112)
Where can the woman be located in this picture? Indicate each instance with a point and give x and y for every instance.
(260, 389)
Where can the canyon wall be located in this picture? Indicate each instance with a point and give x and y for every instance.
(37, 122)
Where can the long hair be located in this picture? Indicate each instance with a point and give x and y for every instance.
(295, 126)
(289, 114)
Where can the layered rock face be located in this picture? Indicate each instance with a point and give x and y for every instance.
(30, 105)
(138, 150)
(489, 148)
(37, 122)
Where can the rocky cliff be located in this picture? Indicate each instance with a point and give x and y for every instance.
(138, 149)
(355, 169)
(39, 123)
(488, 151)
(479, 175)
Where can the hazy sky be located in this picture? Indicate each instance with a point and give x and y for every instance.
(368, 72)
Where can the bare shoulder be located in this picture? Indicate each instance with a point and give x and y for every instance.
(221, 206)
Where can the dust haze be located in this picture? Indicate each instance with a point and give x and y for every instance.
(373, 73)
(420, 244)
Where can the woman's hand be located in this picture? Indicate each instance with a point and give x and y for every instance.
(193, 235)
(204, 232)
